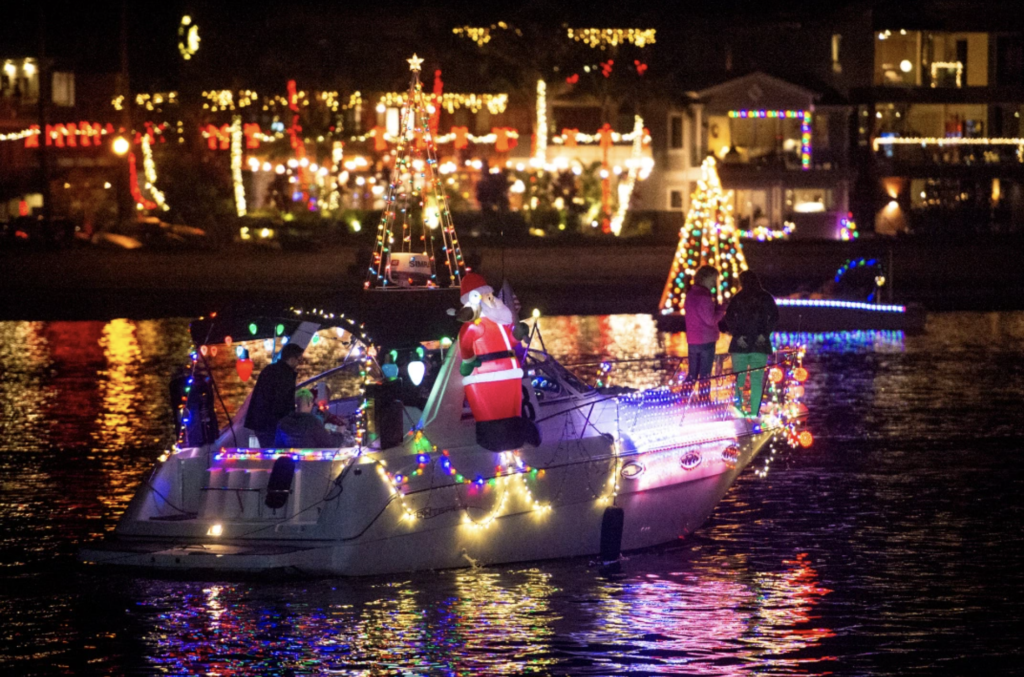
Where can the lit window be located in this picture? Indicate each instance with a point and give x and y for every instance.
(676, 132)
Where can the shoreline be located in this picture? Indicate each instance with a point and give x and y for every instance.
(557, 278)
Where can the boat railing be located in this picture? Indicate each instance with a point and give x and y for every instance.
(655, 372)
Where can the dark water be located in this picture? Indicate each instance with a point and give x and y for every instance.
(892, 546)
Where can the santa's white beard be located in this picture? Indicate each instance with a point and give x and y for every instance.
(500, 313)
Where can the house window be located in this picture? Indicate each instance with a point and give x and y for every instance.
(64, 89)
(391, 120)
(675, 199)
(898, 58)
(675, 136)
(808, 200)
(836, 40)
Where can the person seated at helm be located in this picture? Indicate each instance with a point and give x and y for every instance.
(302, 429)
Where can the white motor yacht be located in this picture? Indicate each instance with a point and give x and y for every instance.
(617, 469)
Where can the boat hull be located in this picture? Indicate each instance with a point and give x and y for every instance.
(663, 503)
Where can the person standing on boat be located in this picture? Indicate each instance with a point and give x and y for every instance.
(702, 317)
(751, 318)
(492, 376)
(273, 397)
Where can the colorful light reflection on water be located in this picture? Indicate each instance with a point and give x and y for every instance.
(700, 620)
(848, 560)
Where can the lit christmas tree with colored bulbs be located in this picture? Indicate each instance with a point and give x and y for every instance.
(416, 219)
(709, 237)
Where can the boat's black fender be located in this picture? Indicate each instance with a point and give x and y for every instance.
(280, 483)
(611, 533)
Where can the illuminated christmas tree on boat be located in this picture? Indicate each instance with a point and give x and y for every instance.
(708, 237)
(416, 243)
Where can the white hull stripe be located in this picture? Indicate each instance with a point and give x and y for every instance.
(491, 377)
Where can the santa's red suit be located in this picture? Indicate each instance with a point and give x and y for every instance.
(494, 389)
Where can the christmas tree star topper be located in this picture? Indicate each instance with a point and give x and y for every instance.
(415, 63)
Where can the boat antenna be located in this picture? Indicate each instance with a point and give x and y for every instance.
(216, 390)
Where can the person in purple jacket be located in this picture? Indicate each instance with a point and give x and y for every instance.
(702, 317)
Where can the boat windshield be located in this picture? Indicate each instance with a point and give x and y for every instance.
(332, 363)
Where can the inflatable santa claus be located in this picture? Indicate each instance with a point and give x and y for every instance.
(492, 375)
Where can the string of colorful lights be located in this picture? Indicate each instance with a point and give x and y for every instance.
(708, 237)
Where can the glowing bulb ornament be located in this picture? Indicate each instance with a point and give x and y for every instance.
(416, 371)
(244, 365)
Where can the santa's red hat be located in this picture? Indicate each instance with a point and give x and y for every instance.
(473, 282)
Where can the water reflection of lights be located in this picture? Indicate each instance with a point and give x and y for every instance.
(842, 341)
(24, 359)
(710, 622)
(119, 383)
(784, 622)
(502, 609)
(709, 619)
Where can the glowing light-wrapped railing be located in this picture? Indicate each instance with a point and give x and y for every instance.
(850, 305)
(225, 454)
(673, 417)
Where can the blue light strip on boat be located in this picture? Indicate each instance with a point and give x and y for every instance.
(853, 305)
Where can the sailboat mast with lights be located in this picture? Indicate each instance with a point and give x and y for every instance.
(416, 232)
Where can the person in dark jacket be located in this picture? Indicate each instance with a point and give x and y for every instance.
(751, 318)
(302, 429)
(274, 394)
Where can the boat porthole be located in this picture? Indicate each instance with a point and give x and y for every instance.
(731, 455)
(633, 470)
(690, 460)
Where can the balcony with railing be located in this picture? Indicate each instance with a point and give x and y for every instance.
(948, 136)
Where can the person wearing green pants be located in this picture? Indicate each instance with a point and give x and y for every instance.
(751, 318)
(750, 365)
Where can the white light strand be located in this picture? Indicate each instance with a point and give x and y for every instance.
(540, 153)
(560, 139)
(938, 141)
(149, 169)
(626, 187)
(604, 37)
(236, 164)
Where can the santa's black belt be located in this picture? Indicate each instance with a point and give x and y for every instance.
(500, 355)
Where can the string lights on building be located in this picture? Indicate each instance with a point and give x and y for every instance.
(804, 116)
(188, 38)
(956, 66)
(480, 35)
(925, 141)
(453, 101)
(602, 38)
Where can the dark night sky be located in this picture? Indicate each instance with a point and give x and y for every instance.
(262, 41)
